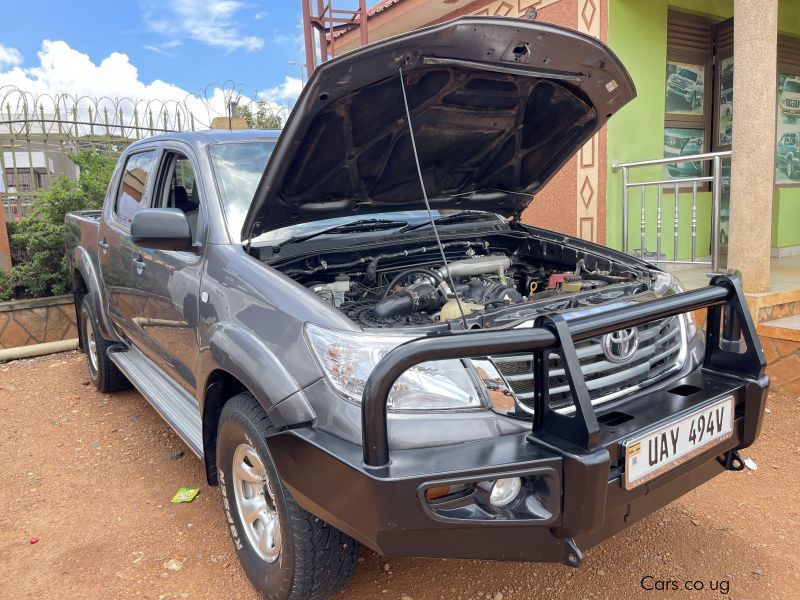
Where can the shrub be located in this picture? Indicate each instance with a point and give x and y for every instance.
(37, 241)
(264, 116)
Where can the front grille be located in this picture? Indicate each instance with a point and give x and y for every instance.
(659, 353)
(792, 103)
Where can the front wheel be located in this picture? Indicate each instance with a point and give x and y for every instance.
(286, 552)
(790, 169)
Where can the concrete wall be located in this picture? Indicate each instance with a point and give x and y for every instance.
(26, 322)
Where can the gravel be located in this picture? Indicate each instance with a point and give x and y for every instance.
(86, 479)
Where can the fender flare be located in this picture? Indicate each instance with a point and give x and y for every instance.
(237, 351)
(82, 264)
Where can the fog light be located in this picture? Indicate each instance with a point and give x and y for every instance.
(439, 491)
(505, 491)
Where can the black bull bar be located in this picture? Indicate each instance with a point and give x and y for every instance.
(728, 321)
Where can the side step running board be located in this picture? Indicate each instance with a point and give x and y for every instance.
(171, 401)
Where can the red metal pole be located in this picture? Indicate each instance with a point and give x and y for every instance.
(330, 17)
(362, 7)
(308, 35)
(5, 247)
(323, 42)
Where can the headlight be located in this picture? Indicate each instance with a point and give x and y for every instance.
(347, 359)
(666, 284)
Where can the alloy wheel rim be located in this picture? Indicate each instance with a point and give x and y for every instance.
(255, 503)
(91, 342)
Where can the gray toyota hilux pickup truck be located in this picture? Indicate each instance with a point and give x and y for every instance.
(349, 324)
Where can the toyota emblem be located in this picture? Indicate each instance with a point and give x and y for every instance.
(619, 346)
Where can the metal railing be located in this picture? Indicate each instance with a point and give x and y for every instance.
(677, 185)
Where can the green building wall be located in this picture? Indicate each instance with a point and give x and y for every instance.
(637, 33)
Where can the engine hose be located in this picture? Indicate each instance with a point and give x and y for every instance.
(324, 266)
(581, 266)
(610, 278)
(371, 273)
(499, 302)
(425, 271)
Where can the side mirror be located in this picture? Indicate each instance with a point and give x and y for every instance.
(161, 229)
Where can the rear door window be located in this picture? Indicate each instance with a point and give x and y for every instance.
(132, 189)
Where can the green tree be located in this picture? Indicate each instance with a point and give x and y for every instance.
(264, 117)
(95, 173)
(37, 241)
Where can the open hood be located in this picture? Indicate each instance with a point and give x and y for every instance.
(497, 105)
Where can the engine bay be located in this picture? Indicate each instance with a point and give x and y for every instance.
(486, 283)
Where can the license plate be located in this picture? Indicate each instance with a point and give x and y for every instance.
(656, 452)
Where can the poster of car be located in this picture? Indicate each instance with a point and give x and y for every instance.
(726, 101)
(681, 141)
(684, 88)
(787, 152)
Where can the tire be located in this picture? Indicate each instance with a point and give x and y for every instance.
(300, 557)
(790, 170)
(104, 374)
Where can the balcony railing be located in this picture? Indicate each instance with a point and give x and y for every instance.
(676, 185)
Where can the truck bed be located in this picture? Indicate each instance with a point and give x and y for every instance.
(82, 228)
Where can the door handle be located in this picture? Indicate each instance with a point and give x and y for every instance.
(139, 263)
(104, 245)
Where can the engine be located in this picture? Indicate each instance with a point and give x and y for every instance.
(431, 293)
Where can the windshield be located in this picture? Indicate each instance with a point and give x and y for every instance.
(410, 217)
(237, 168)
(791, 86)
(687, 74)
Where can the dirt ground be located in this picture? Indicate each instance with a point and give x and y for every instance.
(86, 479)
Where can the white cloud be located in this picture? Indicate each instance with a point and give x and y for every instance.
(288, 91)
(158, 50)
(211, 22)
(64, 70)
(164, 47)
(9, 57)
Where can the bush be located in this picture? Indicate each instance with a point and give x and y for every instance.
(264, 116)
(37, 241)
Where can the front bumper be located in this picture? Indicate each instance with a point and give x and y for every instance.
(572, 466)
(385, 508)
(790, 111)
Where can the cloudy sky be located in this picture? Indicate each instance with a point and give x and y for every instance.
(147, 49)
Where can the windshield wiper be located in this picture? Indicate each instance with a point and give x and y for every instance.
(352, 227)
(464, 215)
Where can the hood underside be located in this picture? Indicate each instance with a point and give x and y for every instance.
(497, 107)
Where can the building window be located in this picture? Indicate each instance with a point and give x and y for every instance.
(687, 91)
(19, 180)
(787, 123)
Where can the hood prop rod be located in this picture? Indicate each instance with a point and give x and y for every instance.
(427, 202)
